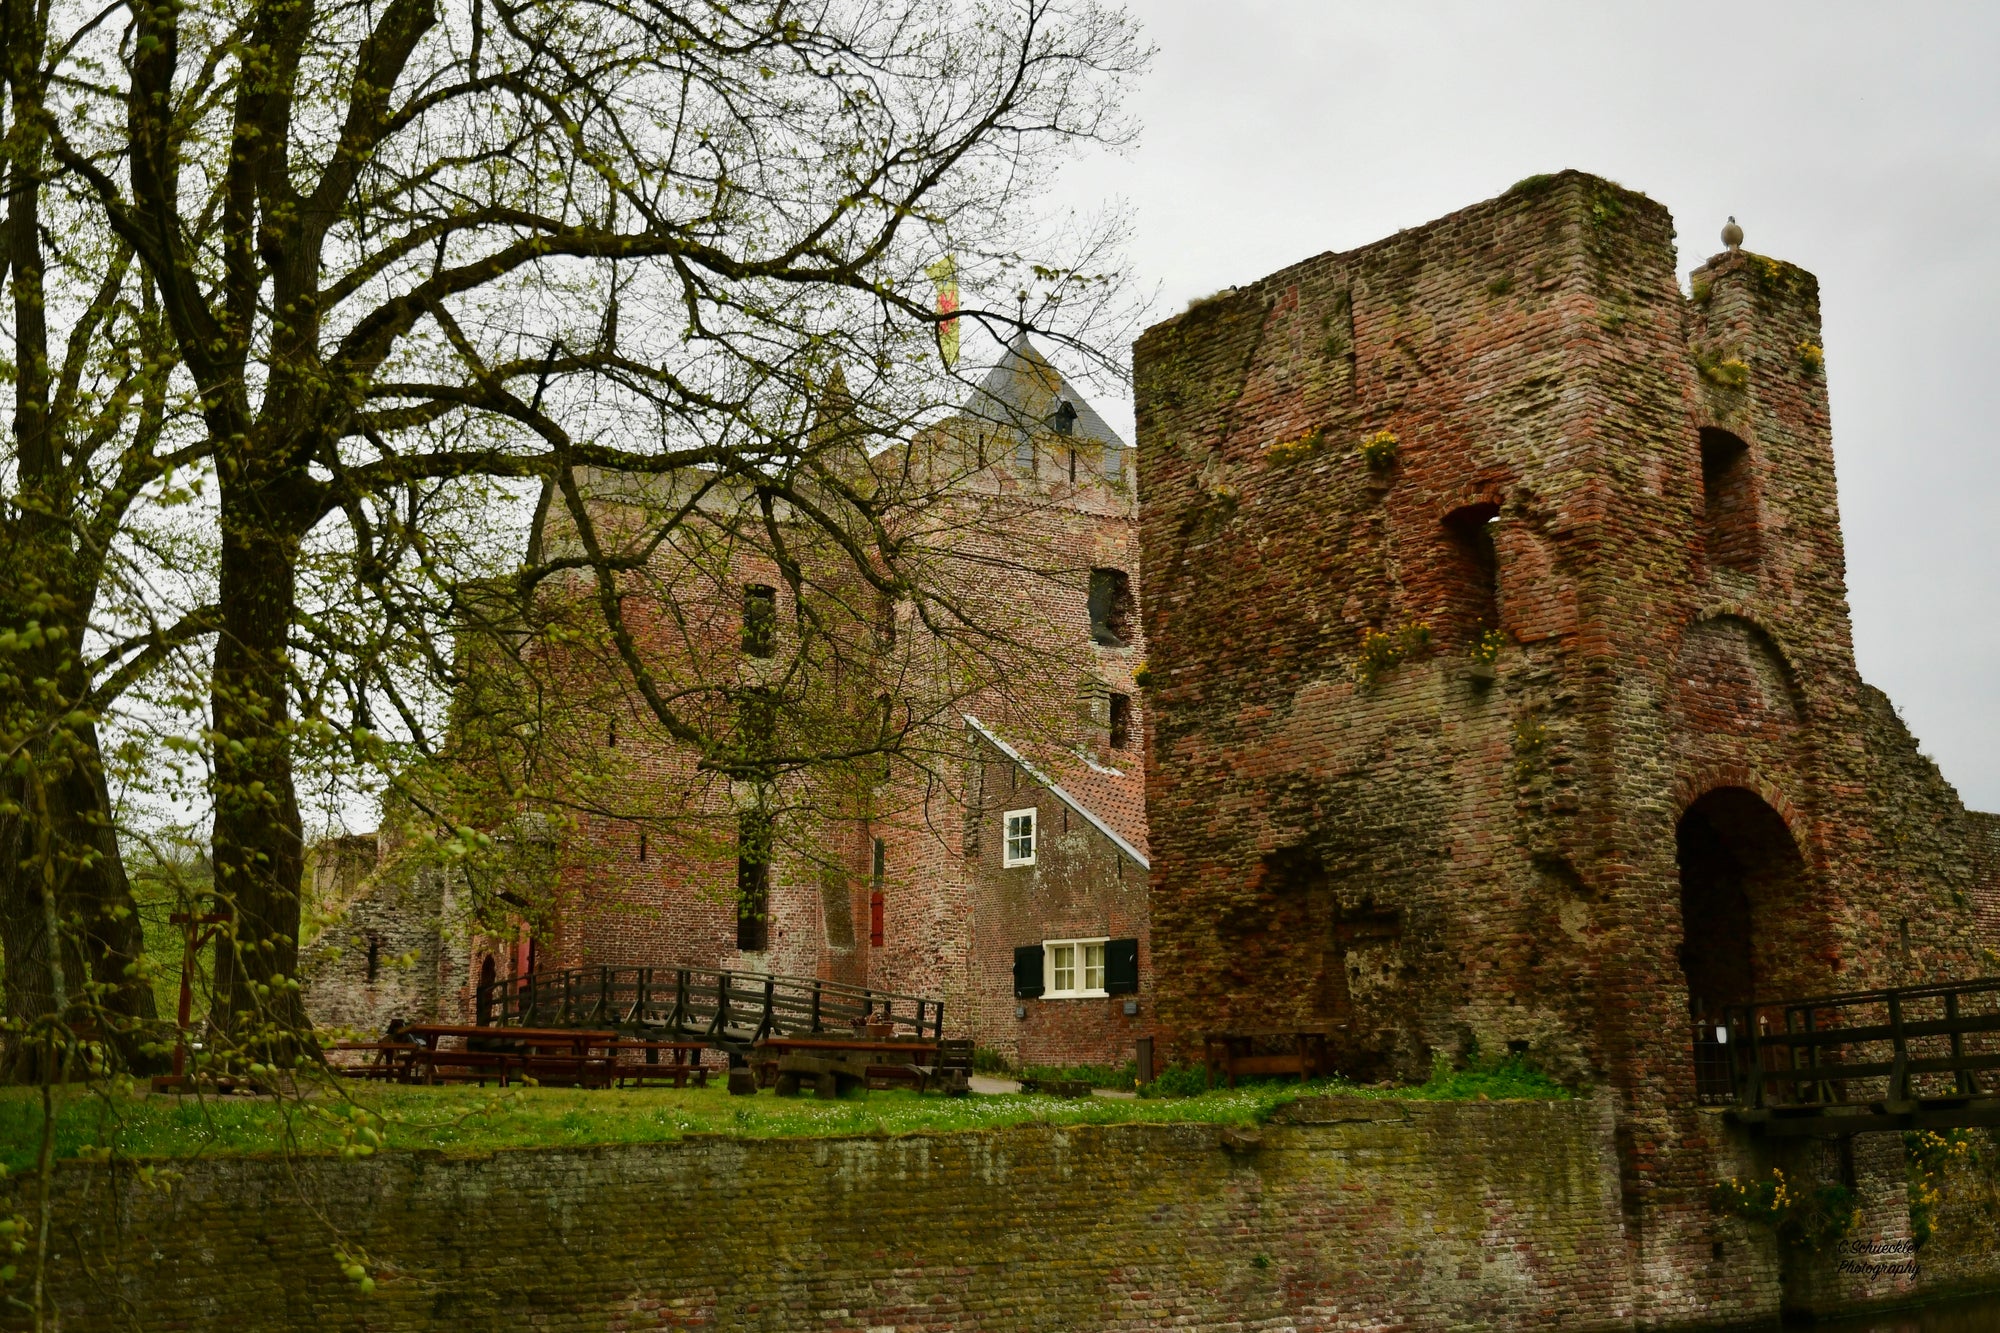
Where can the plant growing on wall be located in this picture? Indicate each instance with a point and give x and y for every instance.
(1814, 1218)
(1378, 451)
(1297, 450)
(1929, 1156)
(1812, 358)
(1726, 371)
(1486, 648)
(1383, 649)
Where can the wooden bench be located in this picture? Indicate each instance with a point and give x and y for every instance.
(683, 1068)
(546, 1055)
(390, 1062)
(877, 1077)
(455, 1066)
(834, 1064)
(1233, 1054)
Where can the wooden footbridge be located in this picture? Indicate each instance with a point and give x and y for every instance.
(1913, 1057)
(728, 1010)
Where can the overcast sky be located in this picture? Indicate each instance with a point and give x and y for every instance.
(1861, 142)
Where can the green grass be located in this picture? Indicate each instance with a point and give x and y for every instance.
(343, 1116)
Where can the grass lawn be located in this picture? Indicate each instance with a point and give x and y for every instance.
(344, 1116)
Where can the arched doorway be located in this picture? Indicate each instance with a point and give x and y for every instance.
(1744, 908)
(482, 998)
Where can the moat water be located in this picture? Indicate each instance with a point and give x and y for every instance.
(1979, 1314)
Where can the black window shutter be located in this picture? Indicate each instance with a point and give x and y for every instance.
(1028, 971)
(1121, 966)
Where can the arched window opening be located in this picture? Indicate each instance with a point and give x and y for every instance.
(1471, 602)
(1729, 529)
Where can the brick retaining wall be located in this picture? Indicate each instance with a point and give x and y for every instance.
(1343, 1215)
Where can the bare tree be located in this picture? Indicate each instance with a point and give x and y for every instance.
(404, 248)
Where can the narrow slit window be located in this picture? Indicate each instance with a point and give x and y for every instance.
(1729, 528)
(760, 620)
(1024, 455)
(753, 881)
(374, 956)
(642, 844)
(1121, 721)
(1111, 607)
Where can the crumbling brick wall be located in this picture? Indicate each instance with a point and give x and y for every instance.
(1359, 821)
(377, 955)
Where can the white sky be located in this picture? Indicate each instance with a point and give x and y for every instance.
(1861, 142)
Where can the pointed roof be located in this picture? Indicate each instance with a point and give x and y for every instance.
(1118, 810)
(1022, 391)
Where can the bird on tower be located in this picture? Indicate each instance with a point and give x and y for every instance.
(1732, 235)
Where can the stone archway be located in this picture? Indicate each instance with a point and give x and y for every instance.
(1745, 918)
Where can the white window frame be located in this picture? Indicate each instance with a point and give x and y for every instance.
(1081, 972)
(1007, 857)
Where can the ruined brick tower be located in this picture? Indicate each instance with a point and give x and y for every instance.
(1535, 721)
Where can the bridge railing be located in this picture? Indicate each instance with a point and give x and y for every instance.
(732, 1008)
(1890, 1048)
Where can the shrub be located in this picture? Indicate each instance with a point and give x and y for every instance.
(1177, 1081)
(986, 1060)
(1125, 1076)
(1812, 358)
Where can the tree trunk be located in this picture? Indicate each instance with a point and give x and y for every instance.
(112, 938)
(258, 840)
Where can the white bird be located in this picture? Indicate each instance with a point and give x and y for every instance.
(1732, 235)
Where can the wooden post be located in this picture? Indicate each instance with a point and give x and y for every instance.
(1756, 1076)
(1899, 1072)
(199, 931)
(1967, 1086)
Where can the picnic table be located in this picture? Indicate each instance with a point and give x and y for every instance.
(547, 1055)
(837, 1064)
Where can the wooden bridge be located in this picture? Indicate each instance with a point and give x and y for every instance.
(1914, 1057)
(730, 1010)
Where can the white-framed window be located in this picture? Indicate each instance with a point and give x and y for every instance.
(1073, 969)
(1020, 846)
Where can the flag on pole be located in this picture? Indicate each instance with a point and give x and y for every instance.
(945, 274)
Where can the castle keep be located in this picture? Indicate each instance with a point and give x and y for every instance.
(1503, 693)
